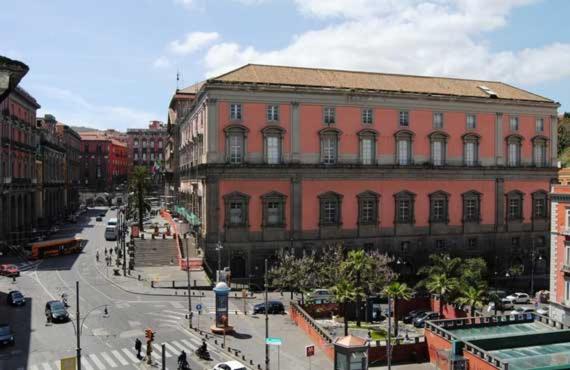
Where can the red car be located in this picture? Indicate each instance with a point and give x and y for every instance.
(9, 270)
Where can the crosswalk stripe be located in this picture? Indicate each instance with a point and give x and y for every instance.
(85, 365)
(108, 359)
(177, 304)
(158, 350)
(181, 347)
(171, 348)
(130, 355)
(169, 321)
(175, 312)
(97, 362)
(119, 357)
(176, 318)
(194, 341)
(153, 353)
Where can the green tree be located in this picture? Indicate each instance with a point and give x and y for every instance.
(344, 292)
(473, 297)
(442, 285)
(328, 271)
(397, 291)
(441, 264)
(283, 275)
(357, 265)
(380, 272)
(138, 185)
(474, 273)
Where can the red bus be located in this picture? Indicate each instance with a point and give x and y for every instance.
(57, 247)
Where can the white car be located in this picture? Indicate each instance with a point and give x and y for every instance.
(522, 310)
(320, 296)
(519, 297)
(230, 365)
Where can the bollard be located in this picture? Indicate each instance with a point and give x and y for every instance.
(194, 283)
(251, 362)
(175, 292)
(152, 283)
(173, 284)
(215, 341)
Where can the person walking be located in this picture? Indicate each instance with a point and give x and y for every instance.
(97, 256)
(105, 251)
(138, 347)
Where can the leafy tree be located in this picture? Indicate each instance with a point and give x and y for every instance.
(380, 272)
(474, 273)
(357, 265)
(283, 275)
(473, 297)
(307, 274)
(441, 264)
(442, 285)
(139, 185)
(331, 258)
(398, 291)
(344, 292)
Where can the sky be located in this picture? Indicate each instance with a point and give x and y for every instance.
(113, 63)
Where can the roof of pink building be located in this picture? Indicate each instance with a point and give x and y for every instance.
(560, 189)
(340, 79)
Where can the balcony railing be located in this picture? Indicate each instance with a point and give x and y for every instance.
(566, 268)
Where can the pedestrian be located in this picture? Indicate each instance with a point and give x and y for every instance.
(111, 251)
(138, 347)
(97, 256)
(105, 251)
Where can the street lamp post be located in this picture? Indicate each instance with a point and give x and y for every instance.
(219, 248)
(189, 288)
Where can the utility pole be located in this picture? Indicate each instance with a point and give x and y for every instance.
(219, 248)
(533, 258)
(189, 288)
(78, 331)
(266, 321)
(389, 343)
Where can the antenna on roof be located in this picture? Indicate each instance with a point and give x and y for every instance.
(177, 79)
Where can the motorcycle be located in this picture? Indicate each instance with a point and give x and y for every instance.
(184, 365)
(203, 354)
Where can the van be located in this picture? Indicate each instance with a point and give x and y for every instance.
(110, 232)
(112, 222)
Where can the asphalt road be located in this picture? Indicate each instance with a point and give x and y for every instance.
(107, 341)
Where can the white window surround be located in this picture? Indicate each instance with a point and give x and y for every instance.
(404, 118)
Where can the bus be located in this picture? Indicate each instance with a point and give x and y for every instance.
(110, 232)
(56, 247)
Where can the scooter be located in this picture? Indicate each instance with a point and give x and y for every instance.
(184, 366)
(203, 354)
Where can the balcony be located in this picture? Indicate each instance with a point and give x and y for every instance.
(566, 268)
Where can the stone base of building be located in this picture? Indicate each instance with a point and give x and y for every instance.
(560, 313)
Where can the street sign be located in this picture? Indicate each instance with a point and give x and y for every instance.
(199, 307)
(69, 363)
(310, 350)
(273, 341)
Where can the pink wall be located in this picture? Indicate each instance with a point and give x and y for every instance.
(387, 188)
(527, 187)
(255, 189)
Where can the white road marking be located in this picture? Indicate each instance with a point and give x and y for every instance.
(108, 359)
(177, 304)
(181, 347)
(174, 312)
(133, 324)
(171, 348)
(193, 340)
(86, 365)
(170, 321)
(119, 357)
(34, 367)
(97, 362)
(130, 355)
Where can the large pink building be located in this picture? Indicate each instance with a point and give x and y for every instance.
(280, 157)
(560, 253)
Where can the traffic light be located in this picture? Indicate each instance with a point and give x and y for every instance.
(152, 336)
(148, 334)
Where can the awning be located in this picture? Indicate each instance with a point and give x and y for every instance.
(189, 216)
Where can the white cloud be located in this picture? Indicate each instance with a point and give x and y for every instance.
(431, 37)
(161, 62)
(192, 42)
(72, 109)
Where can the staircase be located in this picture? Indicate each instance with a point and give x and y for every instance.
(157, 252)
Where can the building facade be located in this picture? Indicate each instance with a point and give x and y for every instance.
(278, 157)
(146, 146)
(19, 142)
(104, 162)
(53, 158)
(560, 253)
(72, 144)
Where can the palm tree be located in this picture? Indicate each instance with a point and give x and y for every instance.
(138, 184)
(443, 286)
(441, 264)
(357, 264)
(344, 292)
(473, 297)
(397, 291)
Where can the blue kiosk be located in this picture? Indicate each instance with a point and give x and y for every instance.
(221, 326)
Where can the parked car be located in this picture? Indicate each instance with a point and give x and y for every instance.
(98, 218)
(9, 270)
(56, 311)
(522, 310)
(542, 311)
(411, 316)
(519, 297)
(230, 365)
(504, 304)
(420, 321)
(15, 298)
(6, 335)
(275, 307)
(320, 296)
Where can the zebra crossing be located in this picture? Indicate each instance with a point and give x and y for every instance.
(125, 357)
(168, 316)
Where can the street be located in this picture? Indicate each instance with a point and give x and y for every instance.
(107, 341)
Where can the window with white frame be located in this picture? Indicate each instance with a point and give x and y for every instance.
(513, 151)
(273, 209)
(514, 123)
(330, 206)
(539, 124)
(471, 122)
(272, 143)
(236, 207)
(144, 156)
(367, 116)
(438, 120)
(404, 118)
(273, 113)
(438, 207)
(329, 147)
(329, 115)
(235, 111)
(539, 152)
(366, 150)
(236, 148)
(403, 149)
(438, 141)
(515, 205)
(152, 156)
(367, 208)
(136, 143)
(567, 219)
(567, 290)
(567, 255)
(144, 143)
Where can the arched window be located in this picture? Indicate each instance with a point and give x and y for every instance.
(367, 144)
(368, 208)
(235, 143)
(404, 140)
(539, 150)
(439, 205)
(330, 205)
(273, 144)
(515, 205)
(236, 207)
(470, 150)
(514, 143)
(438, 145)
(404, 207)
(330, 138)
